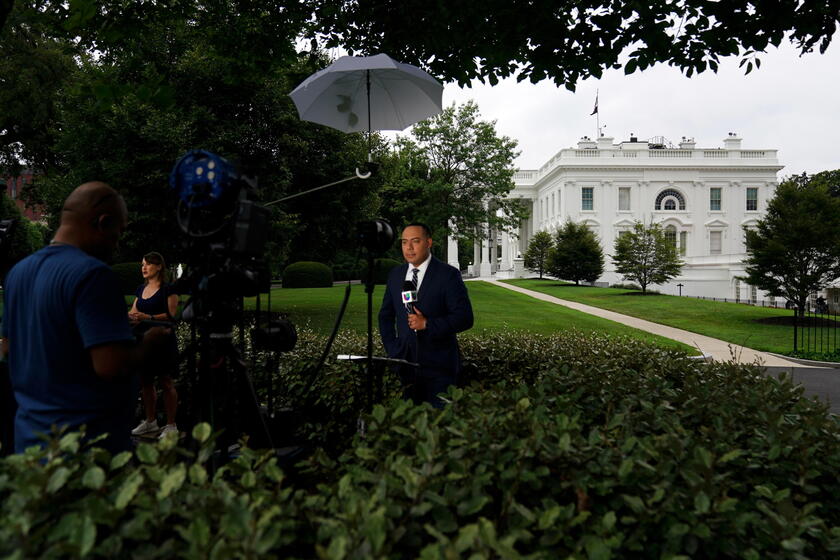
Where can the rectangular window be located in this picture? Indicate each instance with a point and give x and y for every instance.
(624, 199)
(587, 198)
(714, 199)
(715, 242)
(683, 241)
(752, 199)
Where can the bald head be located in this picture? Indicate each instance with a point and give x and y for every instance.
(89, 200)
(93, 217)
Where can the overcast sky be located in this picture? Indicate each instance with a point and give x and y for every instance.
(791, 104)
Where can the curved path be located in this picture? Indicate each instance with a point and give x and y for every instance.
(715, 349)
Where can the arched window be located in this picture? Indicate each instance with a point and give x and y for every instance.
(671, 198)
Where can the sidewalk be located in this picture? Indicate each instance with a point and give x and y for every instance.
(712, 347)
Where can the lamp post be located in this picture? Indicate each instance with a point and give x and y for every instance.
(680, 286)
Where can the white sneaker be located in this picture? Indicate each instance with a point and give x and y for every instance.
(168, 429)
(145, 427)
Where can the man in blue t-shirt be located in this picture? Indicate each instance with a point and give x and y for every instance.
(70, 348)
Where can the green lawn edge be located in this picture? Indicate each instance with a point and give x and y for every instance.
(495, 309)
(737, 323)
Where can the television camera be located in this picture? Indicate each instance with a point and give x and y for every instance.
(226, 233)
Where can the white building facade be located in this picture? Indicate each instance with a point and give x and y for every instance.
(702, 197)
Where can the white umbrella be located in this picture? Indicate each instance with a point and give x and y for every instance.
(355, 94)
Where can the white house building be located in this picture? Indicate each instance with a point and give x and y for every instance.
(703, 197)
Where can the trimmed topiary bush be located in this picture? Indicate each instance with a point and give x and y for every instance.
(130, 276)
(381, 269)
(307, 274)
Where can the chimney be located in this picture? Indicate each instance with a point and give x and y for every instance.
(687, 143)
(732, 141)
(605, 142)
(586, 143)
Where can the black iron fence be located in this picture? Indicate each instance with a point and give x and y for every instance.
(774, 303)
(815, 332)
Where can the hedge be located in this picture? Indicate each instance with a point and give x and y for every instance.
(307, 274)
(577, 446)
(381, 269)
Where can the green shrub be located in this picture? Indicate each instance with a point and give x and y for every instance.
(572, 446)
(341, 274)
(381, 269)
(307, 274)
(626, 286)
(130, 276)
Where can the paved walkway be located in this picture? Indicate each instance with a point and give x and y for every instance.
(712, 347)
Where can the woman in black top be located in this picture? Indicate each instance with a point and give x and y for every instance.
(155, 302)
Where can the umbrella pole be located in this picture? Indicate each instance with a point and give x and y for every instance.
(367, 79)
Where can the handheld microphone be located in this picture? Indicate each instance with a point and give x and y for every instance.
(409, 296)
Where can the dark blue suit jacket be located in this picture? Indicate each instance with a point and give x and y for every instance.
(444, 301)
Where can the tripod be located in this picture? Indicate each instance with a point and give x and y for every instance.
(223, 393)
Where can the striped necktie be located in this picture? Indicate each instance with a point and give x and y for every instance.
(409, 307)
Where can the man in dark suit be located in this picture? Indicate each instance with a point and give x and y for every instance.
(424, 332)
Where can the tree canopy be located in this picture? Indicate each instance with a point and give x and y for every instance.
(537, 255)
(570, 40)
(645, 256)
(454, 172)
(562, 40)
(795, 249)
(140, 84)
(577, 254)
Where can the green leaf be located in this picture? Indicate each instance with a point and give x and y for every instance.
(378, 413)
(119, 460)
(701, 502)
(128, 489)
(201, 432)
(635, 503)
(703, 456)
(338, 548)
(730, 455)
(596, 548)
(764, 491)
(198, 474)
(728, 504)
(608, 521)
(466, 537)
(548, 517)
(147, 453)
(94, 478)
(172, 481)
(625, 468)
(249, 479)
(58, 479)
(69, 443)
(85, 536)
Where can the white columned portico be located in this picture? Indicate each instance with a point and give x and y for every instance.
(486, 269)
(507, 261)
(476, 256)
(452, 248)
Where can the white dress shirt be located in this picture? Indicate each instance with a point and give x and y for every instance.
(422, 268)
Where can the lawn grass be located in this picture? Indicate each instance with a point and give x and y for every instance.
(494, 308)
(733, 322)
